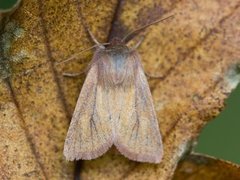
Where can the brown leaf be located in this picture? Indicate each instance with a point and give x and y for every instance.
(17, 158)
(196, 52)
(198, 167)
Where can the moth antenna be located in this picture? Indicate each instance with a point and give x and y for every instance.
(77, 54)
(133, 33)
(86, 27)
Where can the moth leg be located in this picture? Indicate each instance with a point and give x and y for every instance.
(138, 43)
(73, 75)
(151, 76)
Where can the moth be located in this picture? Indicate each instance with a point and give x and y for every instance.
(115, 107)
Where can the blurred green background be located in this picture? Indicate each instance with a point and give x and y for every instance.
(221, 137)
(6, 4)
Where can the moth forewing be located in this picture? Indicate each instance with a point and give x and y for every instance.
(90, 132)
(137, 131)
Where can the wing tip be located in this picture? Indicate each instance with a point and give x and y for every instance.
(87, 155)
(147, 158)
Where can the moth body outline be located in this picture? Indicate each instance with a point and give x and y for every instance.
(115, 107)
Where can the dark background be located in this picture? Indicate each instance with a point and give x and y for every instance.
(221, 137)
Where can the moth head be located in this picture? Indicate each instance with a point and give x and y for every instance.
(116, 41)
(116, 46)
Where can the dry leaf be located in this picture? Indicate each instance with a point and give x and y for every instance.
(196, 52)
(198, 167)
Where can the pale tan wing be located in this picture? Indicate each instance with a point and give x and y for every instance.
(90, 131)
(137, 134)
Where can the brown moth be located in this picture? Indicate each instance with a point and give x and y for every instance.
(115, 107)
